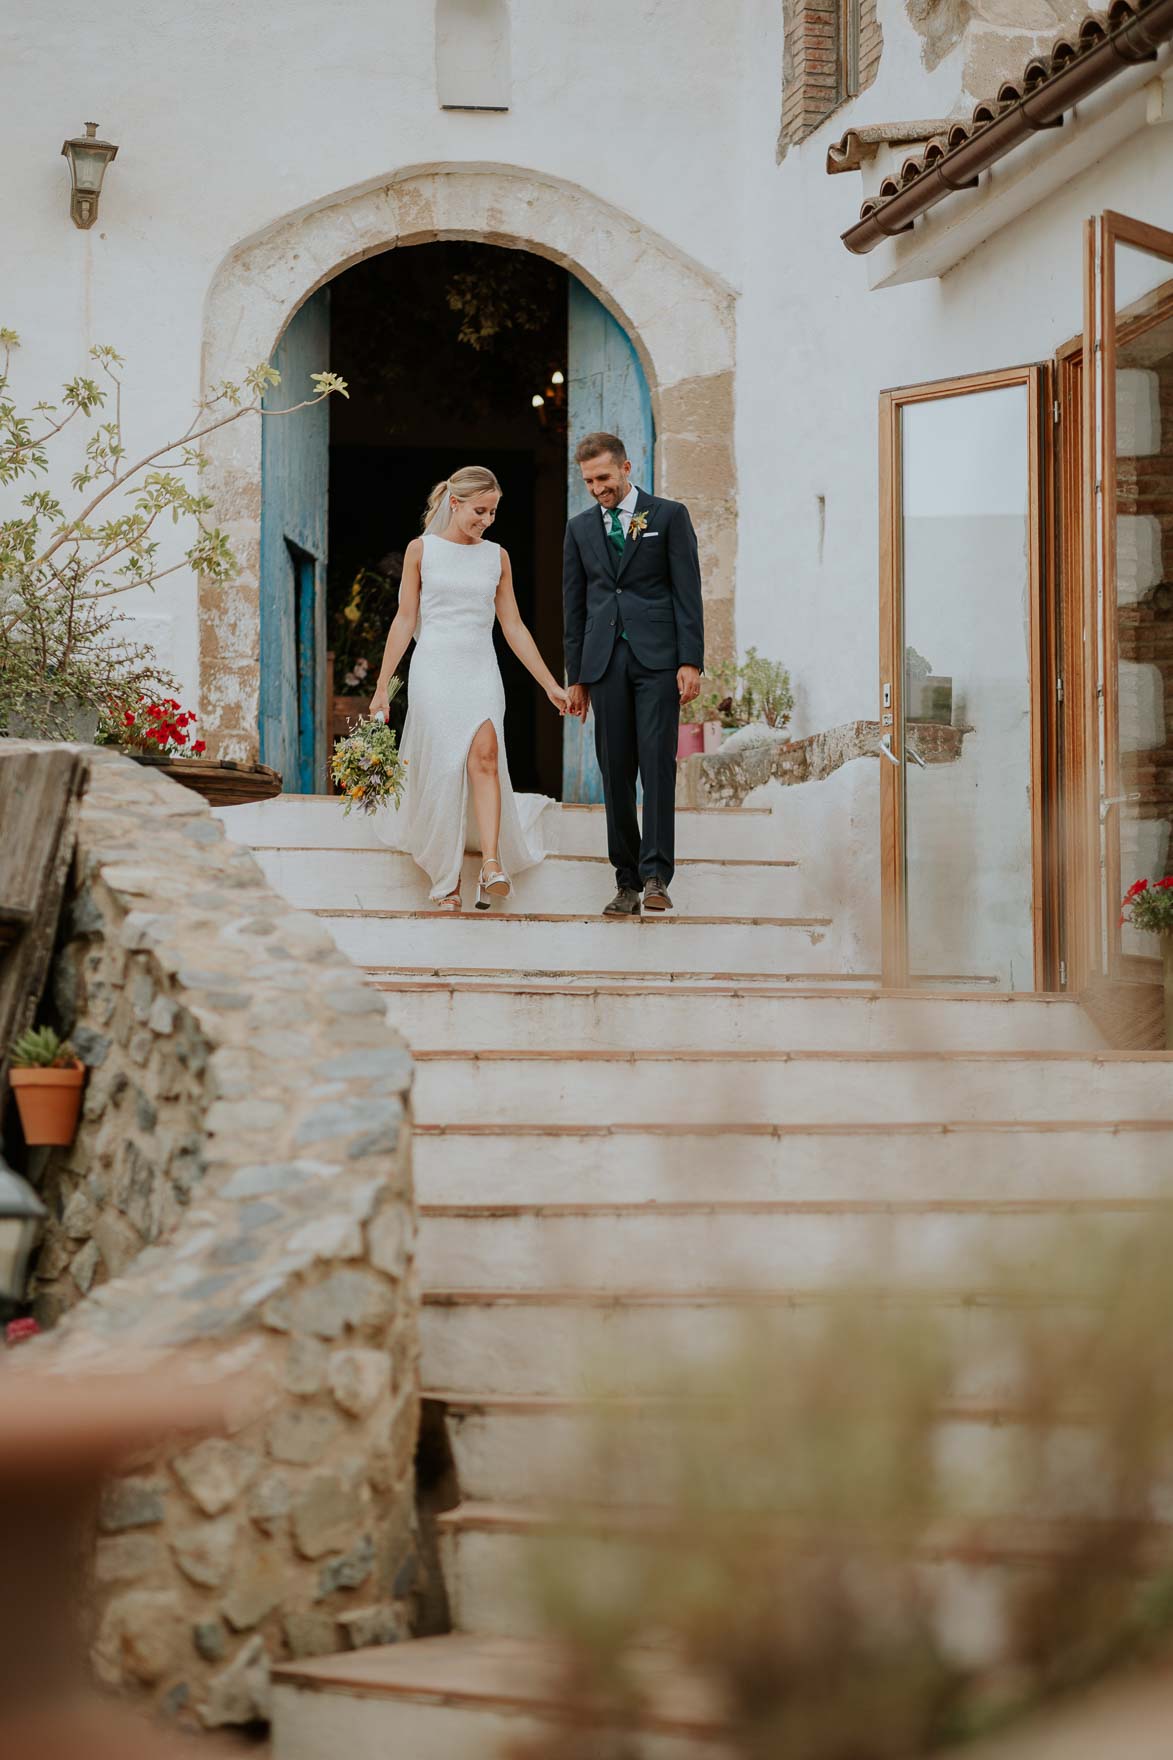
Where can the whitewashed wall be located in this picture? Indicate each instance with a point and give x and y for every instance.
(229, 117)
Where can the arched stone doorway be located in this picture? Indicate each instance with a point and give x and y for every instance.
(679, 316)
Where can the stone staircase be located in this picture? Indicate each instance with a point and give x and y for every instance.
(630, 1135)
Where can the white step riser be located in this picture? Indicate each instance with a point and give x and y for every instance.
(631, 1455)
(797, 1091)
(713, 1251)
(900, 1167)
(498, 940)
(382, 880)
(308, 1725)
(572, 1351)
(478, 1019)
(491, 1576)
(318, 822)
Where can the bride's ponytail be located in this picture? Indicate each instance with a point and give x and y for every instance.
(438, 511)
(470, 480)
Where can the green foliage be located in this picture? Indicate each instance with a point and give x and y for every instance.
(40, 1048)
(757, 690)
(57, 563)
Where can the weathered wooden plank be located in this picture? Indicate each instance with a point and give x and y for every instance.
(40, 786)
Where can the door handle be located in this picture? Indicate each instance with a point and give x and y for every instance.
(912, 752)
(1116, 800)
(886, 750)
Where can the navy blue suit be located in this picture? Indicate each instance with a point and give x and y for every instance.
(629, 622)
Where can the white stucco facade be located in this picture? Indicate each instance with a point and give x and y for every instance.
(235, 124)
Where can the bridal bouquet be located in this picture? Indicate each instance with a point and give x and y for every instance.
(367, 765)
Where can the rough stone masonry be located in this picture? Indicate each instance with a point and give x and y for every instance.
(237, 1200)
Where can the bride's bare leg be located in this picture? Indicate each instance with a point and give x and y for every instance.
(485, 785)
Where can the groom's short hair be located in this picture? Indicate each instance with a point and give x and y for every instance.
(595, 445)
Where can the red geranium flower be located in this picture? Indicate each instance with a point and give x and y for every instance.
(198, 749)
(18, 1330)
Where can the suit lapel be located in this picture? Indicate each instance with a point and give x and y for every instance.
(606, 550)
(643, 504)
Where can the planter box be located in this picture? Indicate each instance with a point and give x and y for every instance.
(221, 781)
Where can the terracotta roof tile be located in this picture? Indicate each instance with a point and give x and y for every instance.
(949, 138)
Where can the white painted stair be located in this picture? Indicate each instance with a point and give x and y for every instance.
(631, 1138)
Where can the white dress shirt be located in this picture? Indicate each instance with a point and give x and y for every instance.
(625, 510)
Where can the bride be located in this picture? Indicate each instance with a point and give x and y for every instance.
(454, 581)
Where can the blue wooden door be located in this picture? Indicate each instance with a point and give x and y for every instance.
(295, 470)
(606, 390)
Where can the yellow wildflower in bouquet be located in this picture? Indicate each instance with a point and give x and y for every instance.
(367, 765)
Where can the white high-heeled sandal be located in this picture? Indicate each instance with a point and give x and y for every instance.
(491, 886)
(451, 901)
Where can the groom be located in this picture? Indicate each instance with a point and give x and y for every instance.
(634, 640)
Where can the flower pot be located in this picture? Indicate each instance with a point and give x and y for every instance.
(690, 740)
(48, 1101)
(1167, 968)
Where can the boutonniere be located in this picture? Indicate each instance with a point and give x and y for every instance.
(637, 527)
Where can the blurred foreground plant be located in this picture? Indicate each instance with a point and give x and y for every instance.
(864, 1544)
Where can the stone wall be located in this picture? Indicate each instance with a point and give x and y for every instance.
(237, 1202)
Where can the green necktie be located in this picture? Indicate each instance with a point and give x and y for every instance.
(615, 533)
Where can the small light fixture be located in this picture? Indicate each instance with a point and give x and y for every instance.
(537, 400)
(88, 158)
(21, 1216)
(558, 378)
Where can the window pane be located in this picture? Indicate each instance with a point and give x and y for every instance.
(967, 689)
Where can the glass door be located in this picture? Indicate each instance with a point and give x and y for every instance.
(960, 713)
(1128, 360)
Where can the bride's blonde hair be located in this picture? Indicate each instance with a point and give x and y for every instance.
(470, 480)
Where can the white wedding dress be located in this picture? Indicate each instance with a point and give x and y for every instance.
(454, 687)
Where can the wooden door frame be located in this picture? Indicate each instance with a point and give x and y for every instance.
(1036, 379)
(1099, 341)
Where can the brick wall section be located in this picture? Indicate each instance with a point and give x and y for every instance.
(238, 1199)
(813, 68)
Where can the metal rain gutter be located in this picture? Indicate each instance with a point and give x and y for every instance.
(1137, 40)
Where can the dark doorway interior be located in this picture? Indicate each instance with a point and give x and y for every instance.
(445, 347)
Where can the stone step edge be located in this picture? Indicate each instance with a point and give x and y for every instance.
(647, 919)
(782, 1132)
(428, 1671)
(725, 1055)
(814, 1297)
(592, 984)
(640, 1405)
(1109, 1205)
(635, 980)
(351, 849)
(974, 1539)
(335, 801)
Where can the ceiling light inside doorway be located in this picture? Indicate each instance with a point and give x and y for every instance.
(558, 378)
(537, 400)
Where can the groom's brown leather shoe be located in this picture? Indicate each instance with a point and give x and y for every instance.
(656, 895)
(624, 904)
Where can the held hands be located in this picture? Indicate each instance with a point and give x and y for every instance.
(578, 701)
(559, 697)
(688, 683)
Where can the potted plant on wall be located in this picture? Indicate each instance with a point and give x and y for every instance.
(47, 1078)
(1148, 906)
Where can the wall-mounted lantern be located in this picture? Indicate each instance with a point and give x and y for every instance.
(21, 1216)
(88, 159)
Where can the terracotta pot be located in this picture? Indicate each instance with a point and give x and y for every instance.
(690, 740)
(48, 1101)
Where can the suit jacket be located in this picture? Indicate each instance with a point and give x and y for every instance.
(652, 593)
